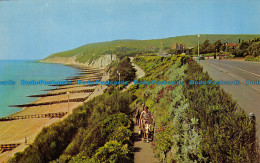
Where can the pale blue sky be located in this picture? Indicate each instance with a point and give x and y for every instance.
(31, 29)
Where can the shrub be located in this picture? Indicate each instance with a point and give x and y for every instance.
(206, 124)
(121, 134)
(74, 147)
(231, 56)
(112, 151)
(251, 58)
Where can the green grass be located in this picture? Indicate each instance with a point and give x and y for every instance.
(92, 51)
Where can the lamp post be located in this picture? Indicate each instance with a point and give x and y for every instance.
(216, 53)
(119, 78)
(68, 93)
(198, 48)
(226, 52)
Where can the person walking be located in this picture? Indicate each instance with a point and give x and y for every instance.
(25, 140)
(144, 122)
(138, 113)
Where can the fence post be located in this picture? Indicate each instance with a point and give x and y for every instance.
(253, 135)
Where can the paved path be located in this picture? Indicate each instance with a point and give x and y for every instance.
(99, 88)
(247, 96)
(139, 73)
(143, 150)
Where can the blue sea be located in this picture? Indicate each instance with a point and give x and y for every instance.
(16, 71)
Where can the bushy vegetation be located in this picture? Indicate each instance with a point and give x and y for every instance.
(208, 47)
(87, 134)
(195, 123)
(248, 48)
(250, 58)
(227, 132)
(125, 68)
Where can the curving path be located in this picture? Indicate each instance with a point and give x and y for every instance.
(143, 151)
(139, 73)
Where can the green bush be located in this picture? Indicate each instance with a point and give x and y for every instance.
(111, 123)
(206, 124)
(226, 130)
(231, 56)
(112, 151)
(79, 136)
(121, 134)
(125, 68)
(251, 58)
(73, 147)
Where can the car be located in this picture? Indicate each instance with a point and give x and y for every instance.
(202, 57)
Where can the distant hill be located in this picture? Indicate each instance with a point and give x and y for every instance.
(93, 51)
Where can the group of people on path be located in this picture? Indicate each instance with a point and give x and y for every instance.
(143, 118)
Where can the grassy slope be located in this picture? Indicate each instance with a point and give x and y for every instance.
(94, 50)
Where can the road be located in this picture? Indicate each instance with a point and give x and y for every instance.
(247, 96)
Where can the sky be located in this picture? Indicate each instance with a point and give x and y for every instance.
(32, 29)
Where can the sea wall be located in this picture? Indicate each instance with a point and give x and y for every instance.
(100, 62)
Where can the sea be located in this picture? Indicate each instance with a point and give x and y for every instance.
(35, 76)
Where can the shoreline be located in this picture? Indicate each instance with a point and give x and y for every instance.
(15, 131)
(39, 98)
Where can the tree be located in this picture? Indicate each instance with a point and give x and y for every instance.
(254, 49)
(206, 47)
(206, 43)
(125, 68)
(242, 50)
(217, 44)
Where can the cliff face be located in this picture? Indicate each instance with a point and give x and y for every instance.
(100, 62)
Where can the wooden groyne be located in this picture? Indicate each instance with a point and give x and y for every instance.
(83, 77)
(83, 68)
(47, 115)
(55, 89)
(49, 103)
(88, 73)
(73, 77)
(62, 93)
(75, 82)
(91, 71)
(72, 86)
(8, 147)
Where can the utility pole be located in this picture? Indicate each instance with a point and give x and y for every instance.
(226, 52)
(161, 48)
(119, 78)
(216, 54)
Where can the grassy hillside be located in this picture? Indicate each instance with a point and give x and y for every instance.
(91, 51)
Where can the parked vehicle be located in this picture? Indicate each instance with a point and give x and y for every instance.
(202, 57)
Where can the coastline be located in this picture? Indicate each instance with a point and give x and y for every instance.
(15, 131)
(40, 98)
